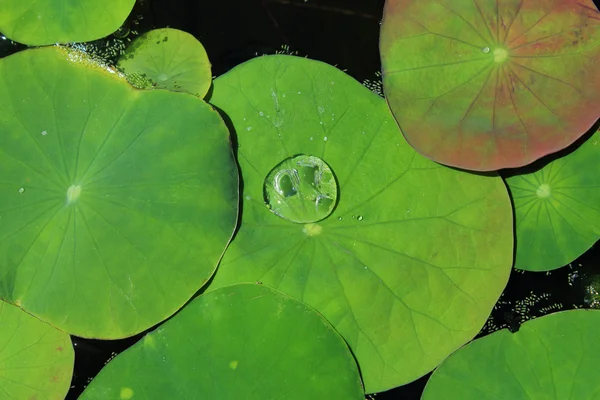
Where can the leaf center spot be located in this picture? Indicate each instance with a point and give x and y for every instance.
(500, 54)
(126, 393)
(543, 191)
(73, 193)
(312, 229)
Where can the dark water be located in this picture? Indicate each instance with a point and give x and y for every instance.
(345, 34)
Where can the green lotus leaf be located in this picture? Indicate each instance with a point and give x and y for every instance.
(36, 360)
(553, 357)
(168, 59)
(412, 257)
(117, 203)
(239, 342)
(491, 84)
(557, 209)
(40, 22)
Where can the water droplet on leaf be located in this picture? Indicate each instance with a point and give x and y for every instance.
(486, 50)
(301, 189)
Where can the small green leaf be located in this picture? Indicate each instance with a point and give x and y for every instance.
(239, 342)
(40, 22)
(168, 59)
(485, 85)
(553, 357)
(36, 360)
(557, 209)
(413, 256)
(117, 203)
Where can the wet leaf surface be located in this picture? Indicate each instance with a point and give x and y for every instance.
(410, 262)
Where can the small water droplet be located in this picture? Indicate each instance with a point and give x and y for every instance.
(261, 113)
(360, 218)
(248, 198)
(44, 133)
(249, 128)
(339, 218)
(301, 189)
(486, 50)
(321, 109)
(299, 92)
(325, 139)
(311, 138)
(21, 190)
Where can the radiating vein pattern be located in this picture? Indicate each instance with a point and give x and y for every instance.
(116, 203)
(557, 210)
(525, 105)
(412, 257)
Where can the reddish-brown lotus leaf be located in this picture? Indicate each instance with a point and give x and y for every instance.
(491, 84)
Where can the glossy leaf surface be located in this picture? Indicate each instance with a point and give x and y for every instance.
(168, 59)
(552, 357)
(557, 209)
(410, 262)
(485, 85)
(39, 22)
(117, 203)
(239, 342)
(36, 360)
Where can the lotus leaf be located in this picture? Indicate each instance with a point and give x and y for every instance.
(117, 203)
(239, 342)
(412, 257)
(553, 357)
(169, 59)
(485, 85)
(39, 22)
(36, 360)
(557, 209)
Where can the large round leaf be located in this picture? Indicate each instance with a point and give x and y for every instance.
(485, 85)
(168, 59)
(410, 262)
(36, 360)
(117, 203)
(39, 22)
(557, 209)
(553, 357)
(239, 342)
